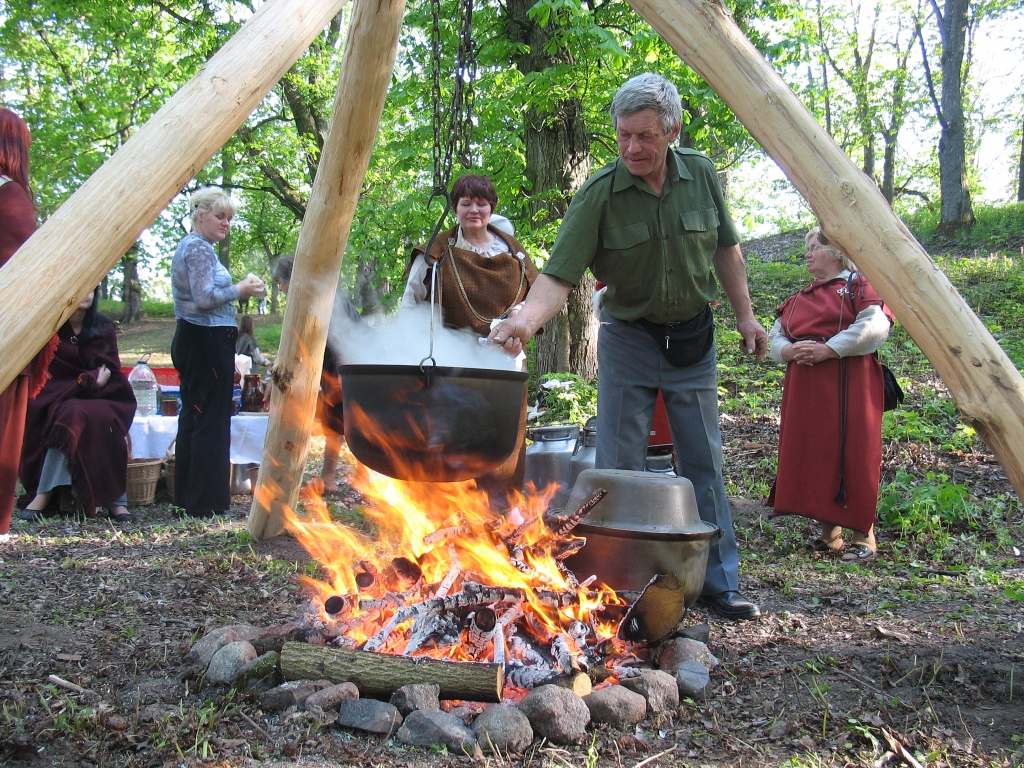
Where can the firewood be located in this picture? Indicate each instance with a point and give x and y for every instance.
(579, 683)
(379, 675)
(454, 569)
(579, 514)
(565, 659)
(500, 653)
(530, 677)
(513, 538)
(444, 534)
(482, 625)
(569, 548)
(526, 654)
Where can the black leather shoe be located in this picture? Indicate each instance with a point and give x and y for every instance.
(730, 605)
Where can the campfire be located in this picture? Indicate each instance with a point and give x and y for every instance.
(449, 578)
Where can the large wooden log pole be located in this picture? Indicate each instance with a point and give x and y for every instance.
(366, 69)
(46, 279)
(378, 675)
(988, 388)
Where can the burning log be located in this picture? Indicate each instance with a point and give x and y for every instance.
(569, 548)
(339, 604)
(511, 615)
(387, 600)
(526, 654)
(574, 519)
(513, 538)
(472, 594)
(380, 675)
(569, 576)
(530, 677)
(403, 574)
(444, 534)
(482, 627)
(454, 569)
(578, 632)
(565, 659)
(500, 653)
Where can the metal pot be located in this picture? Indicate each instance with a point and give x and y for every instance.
(549, 457)
(647, 524)
(241, 482)
(431, 423)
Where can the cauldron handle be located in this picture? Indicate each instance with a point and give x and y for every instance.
(428, 373)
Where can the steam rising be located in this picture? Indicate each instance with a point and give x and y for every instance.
(406, 341)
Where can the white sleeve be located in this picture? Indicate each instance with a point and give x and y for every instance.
(865, 335)
(777, 341)
(415, 288)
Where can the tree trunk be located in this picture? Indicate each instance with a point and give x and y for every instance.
(131, 288)
(366, 69)
(987, 386)
(378, 675)
(90, 233)
(226, 180)
(957, 214)
(889, 168)
(105, 287)
(1020, 169)
(273, 297)
(557, 164)
(583, 327)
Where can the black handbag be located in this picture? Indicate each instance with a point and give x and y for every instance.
(684, 343)
(893, 397)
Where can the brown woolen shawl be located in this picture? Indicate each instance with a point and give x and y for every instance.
(86, 422)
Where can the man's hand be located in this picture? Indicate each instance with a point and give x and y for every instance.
(102, 376)
(755, 339)
(546, 297)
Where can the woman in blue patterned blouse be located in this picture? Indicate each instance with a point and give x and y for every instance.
(203, 352)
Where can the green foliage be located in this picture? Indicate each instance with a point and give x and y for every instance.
(997, 228)
(572, 401)
(151, 308)
(268, 337)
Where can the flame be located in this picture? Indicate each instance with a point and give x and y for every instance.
(443, 528)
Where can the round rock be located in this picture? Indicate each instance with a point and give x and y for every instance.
(681, 649)
(557, 714)
(659, 688)
(425, 727)
(228, 660)
(329, 698)
(369, 715)
(419, 696)
(503, 729)
(616, 706)
(693, 680)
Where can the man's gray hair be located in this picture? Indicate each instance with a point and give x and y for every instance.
(648, 91)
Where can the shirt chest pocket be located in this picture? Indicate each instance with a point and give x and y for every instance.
(624, 238)
(703, 220)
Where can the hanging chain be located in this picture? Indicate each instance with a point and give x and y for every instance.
(452, 122)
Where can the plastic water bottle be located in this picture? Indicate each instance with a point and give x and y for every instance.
(143, 382)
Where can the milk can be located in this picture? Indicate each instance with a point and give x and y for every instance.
(660, 462)
(586, 451)
(548, 459)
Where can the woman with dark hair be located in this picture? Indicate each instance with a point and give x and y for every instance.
(203, 352)
(246, 343)
(484, 275)
(75, 428)
(17, 223)
(830, 434)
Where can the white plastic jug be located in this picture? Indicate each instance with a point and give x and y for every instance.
(146, 389)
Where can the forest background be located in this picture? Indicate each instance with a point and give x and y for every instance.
(927, 97)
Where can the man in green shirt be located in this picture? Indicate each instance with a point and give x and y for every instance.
(653, 226)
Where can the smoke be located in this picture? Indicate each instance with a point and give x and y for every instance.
(406, 340)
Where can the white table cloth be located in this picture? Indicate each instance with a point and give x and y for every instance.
(151, 436)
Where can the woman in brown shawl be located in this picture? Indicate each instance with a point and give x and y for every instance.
(484, 275)
(75, 428)
(17, 223)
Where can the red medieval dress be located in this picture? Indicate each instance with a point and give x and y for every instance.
(17, 223)
(830, 434)
(86, 422)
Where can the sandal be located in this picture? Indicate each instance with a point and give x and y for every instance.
(820, 547)
(859, 553)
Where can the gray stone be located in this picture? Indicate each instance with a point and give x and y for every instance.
(329, 698)
(369, 715)
(616, 706)
(699, 632)
(681, 649)
(425, 727)
(228, 660)
(557, 714)
(259, 675)
(659, 688)
(200, 654)
(693, 680)
(503, 729)
(465, 714)
(420, 696)
(292, 693)
(246, 632)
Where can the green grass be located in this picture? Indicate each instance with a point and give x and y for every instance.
(152, 309)
(997, 229)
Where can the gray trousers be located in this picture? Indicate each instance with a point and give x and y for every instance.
(57, 472)
(631, 371)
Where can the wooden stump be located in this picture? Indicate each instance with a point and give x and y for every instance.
(378, 675)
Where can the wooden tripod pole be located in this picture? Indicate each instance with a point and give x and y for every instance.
(988, 388)
(366, 71)
(87, 236)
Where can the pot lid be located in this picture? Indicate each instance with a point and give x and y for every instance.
(643, 503)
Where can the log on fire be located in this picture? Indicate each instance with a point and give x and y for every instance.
(379, 675)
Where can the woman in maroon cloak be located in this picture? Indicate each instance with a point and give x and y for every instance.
(75, 428)
(17, 223)
(830, 435)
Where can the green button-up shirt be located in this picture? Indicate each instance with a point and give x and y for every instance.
(654, 253)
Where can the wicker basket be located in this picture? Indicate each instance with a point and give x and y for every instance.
(142, 477)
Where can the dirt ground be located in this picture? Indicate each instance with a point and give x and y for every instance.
(94, 621)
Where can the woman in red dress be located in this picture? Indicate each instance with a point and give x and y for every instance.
(17, 223)
(830, 435)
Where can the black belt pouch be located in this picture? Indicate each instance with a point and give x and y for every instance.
(685, 343)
